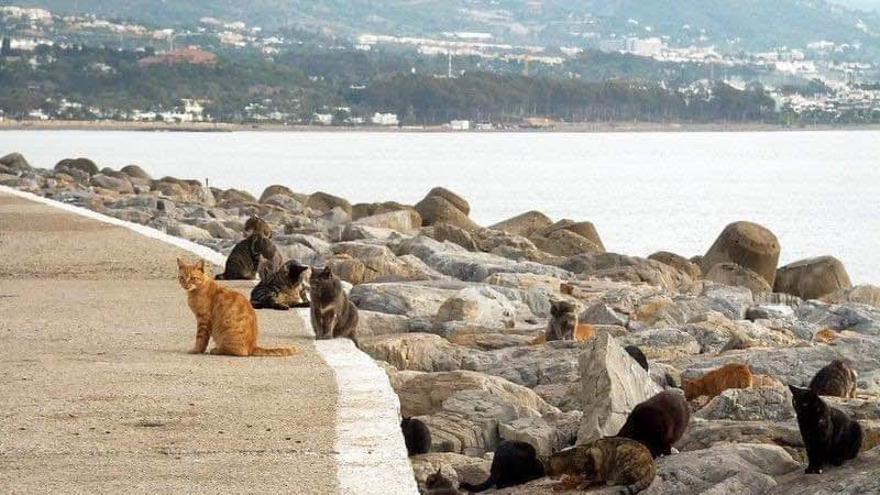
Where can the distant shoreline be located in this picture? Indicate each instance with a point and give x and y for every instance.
(597, 127)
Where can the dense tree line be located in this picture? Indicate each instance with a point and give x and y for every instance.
(302, 83)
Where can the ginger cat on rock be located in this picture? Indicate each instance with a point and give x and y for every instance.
(222, 314)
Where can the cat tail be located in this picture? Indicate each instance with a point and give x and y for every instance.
(273, 352)
(489, 483)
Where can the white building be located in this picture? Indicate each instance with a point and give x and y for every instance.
(323, 118)
(388, 119)
(460, 125)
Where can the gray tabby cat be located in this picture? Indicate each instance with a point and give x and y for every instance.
(284, 289)
(563, 321)
(837, 379)
(333, 314)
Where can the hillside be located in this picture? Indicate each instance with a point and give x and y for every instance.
(751, 24)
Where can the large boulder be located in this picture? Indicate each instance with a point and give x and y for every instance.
(612, 384)
(812, 278)
(547, 434)
(584, 229)
(662, 343)
(680, 263)
(507, 245)
(81, 164)
(738, 276)
(457, 201)
(436, 209)
(136, 172)
(415, 351)
(748, 245)
(744, 468)
(275, 190)
(405, 221)
(562, 242)
(15, 162)
(531, 366)
(443, 232)
(524, 224)
(483, 306)
(322, 201)
(111, 183)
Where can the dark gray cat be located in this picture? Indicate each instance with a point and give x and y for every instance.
(333, 315)
(286, 288)
(837, 379)
(245, 259)
(563, 321)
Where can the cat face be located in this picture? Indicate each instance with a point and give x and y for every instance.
(437, 480)
(806, 402)
(191, 276)
(321, 276)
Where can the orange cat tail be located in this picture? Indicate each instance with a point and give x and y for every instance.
(540, 339)
(275, 352)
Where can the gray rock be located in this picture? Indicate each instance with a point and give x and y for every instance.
(862, 294)
(680, 263)
(415, 351)
(189, 232)
(482, 305)
(551, 363)
(770, 312)
(283, 201)
(662, 343)
(758, 404)
(854, 317)
(81, 164)
(738, 276)
(372, 323)
(546, 434)
(458, 468)
(722, 469)
(856, 477)
(629, 269)
(405, 221)
(413, 299)
(612, 385)
(602, 314)
(454, 261)
(276, 190)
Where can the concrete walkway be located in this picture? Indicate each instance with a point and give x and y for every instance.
(99, 394)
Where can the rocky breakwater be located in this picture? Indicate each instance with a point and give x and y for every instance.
(452, 310)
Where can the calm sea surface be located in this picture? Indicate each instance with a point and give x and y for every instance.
(818, 191)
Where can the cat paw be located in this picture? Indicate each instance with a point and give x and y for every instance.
(215, 351)
(813, 470)
(194, 351)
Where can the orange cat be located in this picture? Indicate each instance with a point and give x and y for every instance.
(825, 336)
(582, 333)
(222, 314)
(717, 381)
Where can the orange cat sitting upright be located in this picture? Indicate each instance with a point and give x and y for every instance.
(222, 314)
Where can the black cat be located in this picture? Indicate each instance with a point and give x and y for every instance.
(830, 436)
(416, 435)
(638, 355)
(658, 422)
(514, 463)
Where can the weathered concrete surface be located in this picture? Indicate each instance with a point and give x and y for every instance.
(99, 394)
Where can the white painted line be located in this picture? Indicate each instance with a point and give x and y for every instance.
(371, 454)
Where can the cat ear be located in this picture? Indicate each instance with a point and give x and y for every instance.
(180, 263)
(328, 271)
(797, 391)
(202, 265)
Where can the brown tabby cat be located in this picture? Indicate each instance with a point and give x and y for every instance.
(837, 379)
(716, 381)
(611, 461)
(221, 314)
(256, 225)
(438, 484)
